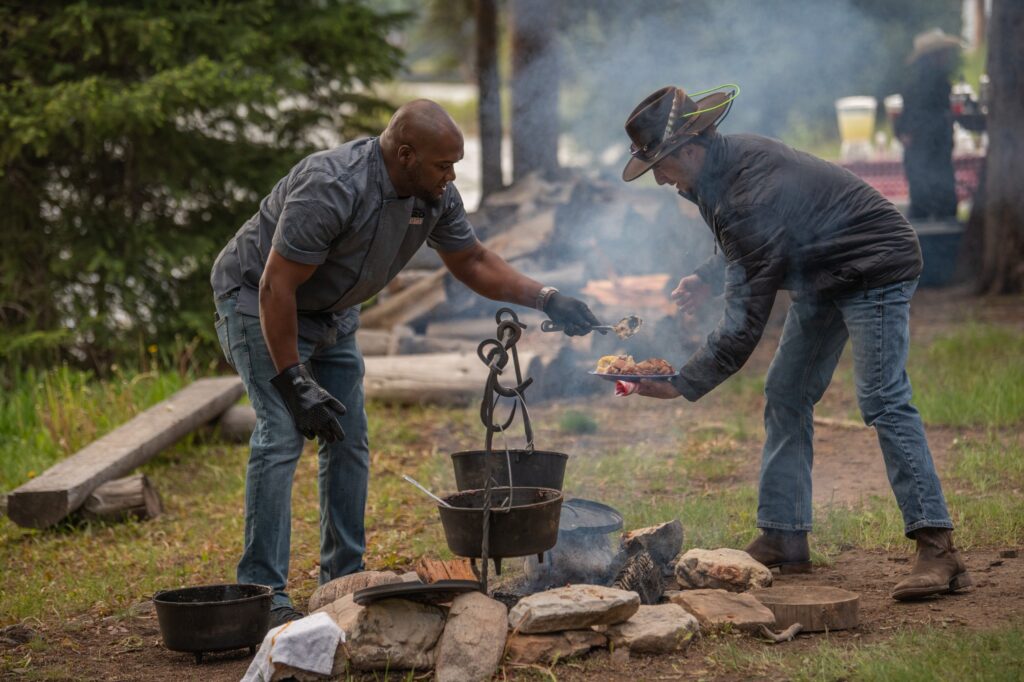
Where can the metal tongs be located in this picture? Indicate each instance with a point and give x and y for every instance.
(624, 328)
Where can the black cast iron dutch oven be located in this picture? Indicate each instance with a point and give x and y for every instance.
(212, 618)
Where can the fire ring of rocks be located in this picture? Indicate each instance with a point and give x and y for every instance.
(629, 611)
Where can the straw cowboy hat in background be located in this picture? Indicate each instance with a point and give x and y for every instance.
(933, 41)
(668, 119)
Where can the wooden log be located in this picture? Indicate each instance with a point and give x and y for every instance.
(433, 570)
(816, 607)
(839, 423)
(423, 296)
(130, 497)
(237, 423)
(62, 488)
(435, 378)
(478, 328)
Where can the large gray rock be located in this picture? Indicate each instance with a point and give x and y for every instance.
(572, 608)
(725, 569)
(663, 541)
(396, 634)
(347, 584)
(719, 608)
(657, 629)
(556, 646)
(473, 640)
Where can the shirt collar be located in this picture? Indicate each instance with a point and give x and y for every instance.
(387, 188)
(709, 183)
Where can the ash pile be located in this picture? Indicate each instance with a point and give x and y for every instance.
(620, 248)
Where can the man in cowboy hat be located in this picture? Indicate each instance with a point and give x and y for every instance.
(287, 287)
(925, 127)
(783, 219)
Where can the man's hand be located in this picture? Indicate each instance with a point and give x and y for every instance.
(573, 314)
(314, 410)
(691, 294)
(658, 389)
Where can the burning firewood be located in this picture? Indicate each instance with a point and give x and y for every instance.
(641, 575)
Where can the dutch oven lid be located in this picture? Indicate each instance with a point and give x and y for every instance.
(586, 516)
(439, 592)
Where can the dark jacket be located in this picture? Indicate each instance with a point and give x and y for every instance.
(783, 219)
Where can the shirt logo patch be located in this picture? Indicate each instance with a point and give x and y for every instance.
(417, 217)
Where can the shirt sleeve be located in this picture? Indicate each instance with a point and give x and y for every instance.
(315, 211)
(712, 273)
(453, 231)
(754, 243)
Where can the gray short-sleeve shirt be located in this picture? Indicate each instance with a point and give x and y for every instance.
(337, 210)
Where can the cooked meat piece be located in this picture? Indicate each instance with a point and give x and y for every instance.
(654, 366)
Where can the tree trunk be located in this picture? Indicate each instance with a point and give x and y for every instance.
(1002, 269)
(489, 85)
(123, 498)
(534, 88)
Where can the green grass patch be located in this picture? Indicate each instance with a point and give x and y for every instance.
(577, 422)
(45, 416)
(911, 656)
(972, 377)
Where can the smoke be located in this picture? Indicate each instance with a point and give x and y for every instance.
(791, 58)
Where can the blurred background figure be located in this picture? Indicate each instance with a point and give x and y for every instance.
(926, 125)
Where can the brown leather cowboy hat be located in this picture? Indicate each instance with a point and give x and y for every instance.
(668, 119)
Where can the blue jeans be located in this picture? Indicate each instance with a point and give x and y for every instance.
(877, 322)
(276, 446)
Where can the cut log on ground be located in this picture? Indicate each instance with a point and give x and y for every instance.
(433, 570)
(237, 423)
(131, 497)
(62, 488)
(427, 293)
(816, 607)
(435, 378)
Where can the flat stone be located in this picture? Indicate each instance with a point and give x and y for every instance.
(572, 608)
(726, 569)
(473, 641)
(657, 629)
(719, 608)
(395, 634)
(663, 541)
(347, 584)
(556, 646)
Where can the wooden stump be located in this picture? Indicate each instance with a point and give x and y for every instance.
(129, 497)
(816, 607)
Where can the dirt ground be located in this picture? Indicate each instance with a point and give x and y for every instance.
(848, 467)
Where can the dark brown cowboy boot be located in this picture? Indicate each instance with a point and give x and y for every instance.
(785, 550)
(938, 569)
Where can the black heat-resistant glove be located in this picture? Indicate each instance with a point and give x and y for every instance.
(572, 313)
(314, 410)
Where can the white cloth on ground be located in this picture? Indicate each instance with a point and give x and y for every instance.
(307, 644)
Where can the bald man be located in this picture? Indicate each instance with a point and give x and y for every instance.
(287, 287)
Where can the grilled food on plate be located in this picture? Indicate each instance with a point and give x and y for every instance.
(625, 364)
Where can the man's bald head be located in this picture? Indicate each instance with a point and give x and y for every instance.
(421, 146)
(420, 122)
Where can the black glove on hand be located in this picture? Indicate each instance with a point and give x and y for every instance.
(573, 314)
(314, 410)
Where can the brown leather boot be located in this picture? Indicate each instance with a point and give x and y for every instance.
(785, 550)
(938, 568)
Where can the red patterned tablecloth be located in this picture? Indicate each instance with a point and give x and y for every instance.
(888, 178)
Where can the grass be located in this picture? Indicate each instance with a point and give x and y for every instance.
(972, 377)
(697, 472)
(942, 654)
(49, 415)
